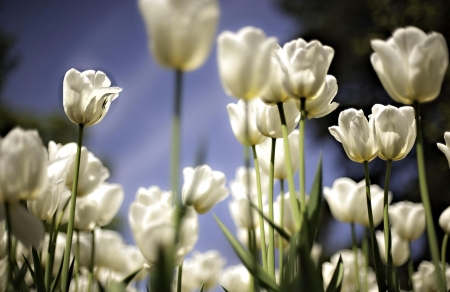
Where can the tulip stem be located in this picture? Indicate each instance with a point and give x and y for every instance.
(91, 266)
(355, 253)
(444, 254)
(390, 270)
(432, 240)
(410, 267)
(271, 255)
(180, 277)
(260, 207)
(252, 246)
(73, 198)
(290, 177)
(11, 254)
(50, 254)
(280, 238)
(77, 260)
(375, 250)
(301, 147)
(176, 125)
(365, 248)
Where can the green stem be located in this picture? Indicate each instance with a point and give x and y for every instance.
(260, 207)
(91, 266)
(390, 269)
(175, 143)
(271, 255)
(280, 238)
(49, 262)
(355, 253)
(11, 254)
(301, 147)
(252, 246)
(410, 268)
(287, 160)
(432, 240)
(365, 248)
(73, 197)
(444, 255)
(77, 261)
(180, 277)
(375, 251)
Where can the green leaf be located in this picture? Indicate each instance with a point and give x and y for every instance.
(381, 276)
(247, 259)
(130, 277)
(148, 290)
(315, 204)
(290, 280)
(19, 281)
(280, 230)
(40, 279)
(201, 288)
(116, 287)
(225, 290)
(70, 274)
(336, 280)
(56, 283)
(27, 263)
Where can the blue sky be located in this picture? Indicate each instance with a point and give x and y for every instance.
(54, 36)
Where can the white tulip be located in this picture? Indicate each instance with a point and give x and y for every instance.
(399, 248)
(411, 64)
(153, 195)
(87, 96)
(23, 166)
(322, 105)
(180, 32)
(357, 135)
(395, 130)
(275, 92)
(348, 203)
(268, 120)
(445, 148)
(305, 67)
(59, 251)
(203, 188)
(264, 151)
(239, 188)
(425, 278)
(92, 173)
(243, 214)
(242, 236)
(4, 278)
(244, 62)
(236, 279)
(444, 220)
(206, 268)
(408, 219)
(237, 115)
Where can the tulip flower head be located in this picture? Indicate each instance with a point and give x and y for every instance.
(87, 96)
(305, 66)
(357, 135)
(180, 32)
(445, 148)
(268, 119)
(236, 279)
(399, 248)
(395, 130)
(408, 219)
(411, 64)
(203, 188)
(244, 62)
(425, 277)
(237, 114)
(444, 220)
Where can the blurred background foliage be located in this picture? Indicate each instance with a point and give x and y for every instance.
(348, 26)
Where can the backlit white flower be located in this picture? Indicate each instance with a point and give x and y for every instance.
(445, 148)
(411, 64)
(244, 62)
(206, 268)
(444, 220)
(322, 105)
(399, 248)
(180, 32)
(87, 96)
(395, 131)
(268, 119)
(236, 279)
(408, 219)
(203, 188)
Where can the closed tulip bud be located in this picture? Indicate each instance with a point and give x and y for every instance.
(245, 62)
(395, 130)
(399, 248)
(87, 96)
(275, 93)
(180, 32)
(153, 195)
(264, 150)
(408, 219)
(411, 64)
(236, 279)
(444, 220)
(92, 173)
(237, 115)
(243, 214)
(268, 119)
(203, 188)
(206, 267)
(23, 166)
(322, 105)
(357, 135)
(347, 201)
(239, 187)
(305, 67)
(445, 148)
